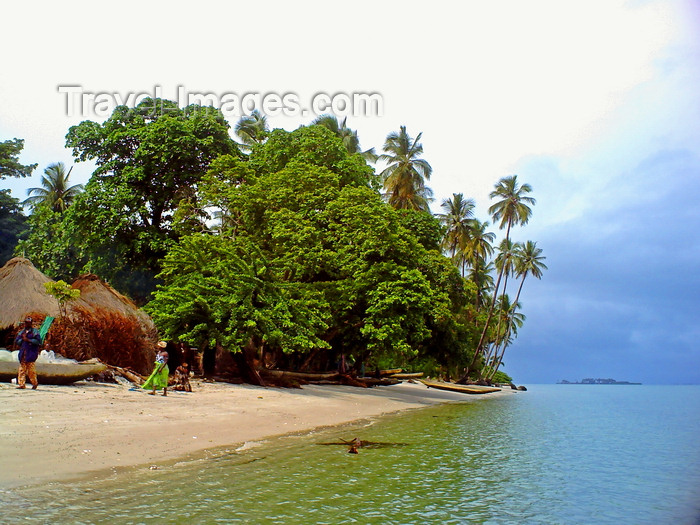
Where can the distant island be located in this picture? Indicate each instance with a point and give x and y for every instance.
(590, 381)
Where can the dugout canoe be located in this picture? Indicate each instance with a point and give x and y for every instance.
(54, 373)
(407, 375)
(464, 389)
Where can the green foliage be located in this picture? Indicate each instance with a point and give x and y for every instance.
(150, 159)
(501, 377)
(62, 292)
(222, 291)
(9, 160)
(337, 267)
(50, 243)
(13, 225)
(424, 226)
(313, 145)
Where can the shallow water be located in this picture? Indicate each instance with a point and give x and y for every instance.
(554, 454)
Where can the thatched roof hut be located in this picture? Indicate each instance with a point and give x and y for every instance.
(22, 293)
(101, 297)
(101, 323)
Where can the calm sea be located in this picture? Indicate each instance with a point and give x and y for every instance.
(555, 454)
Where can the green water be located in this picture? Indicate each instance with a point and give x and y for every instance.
(555, 454)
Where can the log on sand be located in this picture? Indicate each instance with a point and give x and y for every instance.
(127, 374)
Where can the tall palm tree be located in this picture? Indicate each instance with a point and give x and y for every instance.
(252, 129)
(349, 137)
(404, 177)
(512, 209)
(55, 190)
(459, 212)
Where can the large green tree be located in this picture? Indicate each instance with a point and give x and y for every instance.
(150, 161)
(13, 224)
(303, 211)
(9, 160)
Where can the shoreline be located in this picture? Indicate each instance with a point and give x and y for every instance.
(64, 432)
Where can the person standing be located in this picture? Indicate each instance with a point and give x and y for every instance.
(29, 341)
(159, 376)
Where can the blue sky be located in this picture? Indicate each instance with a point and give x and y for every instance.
(595, 104)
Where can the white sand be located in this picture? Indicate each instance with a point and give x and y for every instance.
(58, 432)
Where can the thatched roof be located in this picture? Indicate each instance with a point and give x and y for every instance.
(22, 292)
(101, 296)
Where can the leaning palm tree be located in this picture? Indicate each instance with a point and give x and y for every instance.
(404, 177)
(252, 129)
(349, 137)
(512, 209)
(459, 212)
(55, 190)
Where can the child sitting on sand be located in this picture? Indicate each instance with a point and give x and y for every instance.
(182, 378)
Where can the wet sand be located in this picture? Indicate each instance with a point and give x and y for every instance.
(59, 432)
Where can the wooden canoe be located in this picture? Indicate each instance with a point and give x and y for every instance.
(464, 389)
(54, 373)
(407, 375)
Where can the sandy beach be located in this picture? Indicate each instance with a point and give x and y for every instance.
(59, 432)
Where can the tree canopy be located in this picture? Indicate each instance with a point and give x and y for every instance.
(302, 212)
(150, 159)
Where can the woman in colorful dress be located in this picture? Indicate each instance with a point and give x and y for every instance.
(159, 377)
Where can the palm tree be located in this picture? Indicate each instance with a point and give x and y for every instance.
(252, 129)
(459, 212)
(528, 261)
(55, 190)
(512, 208)
(514, 320)
(478, 247)
(502, 311)
(480, 273)
(349, 137)
(404, 177)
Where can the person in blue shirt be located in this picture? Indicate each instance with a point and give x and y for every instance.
(29, 341)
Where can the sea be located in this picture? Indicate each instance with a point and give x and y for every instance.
(556, 454)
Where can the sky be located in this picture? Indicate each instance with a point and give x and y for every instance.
(594, 104)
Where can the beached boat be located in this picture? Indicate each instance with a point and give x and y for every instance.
(54, 373)
(407, 375)
(464, 389)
